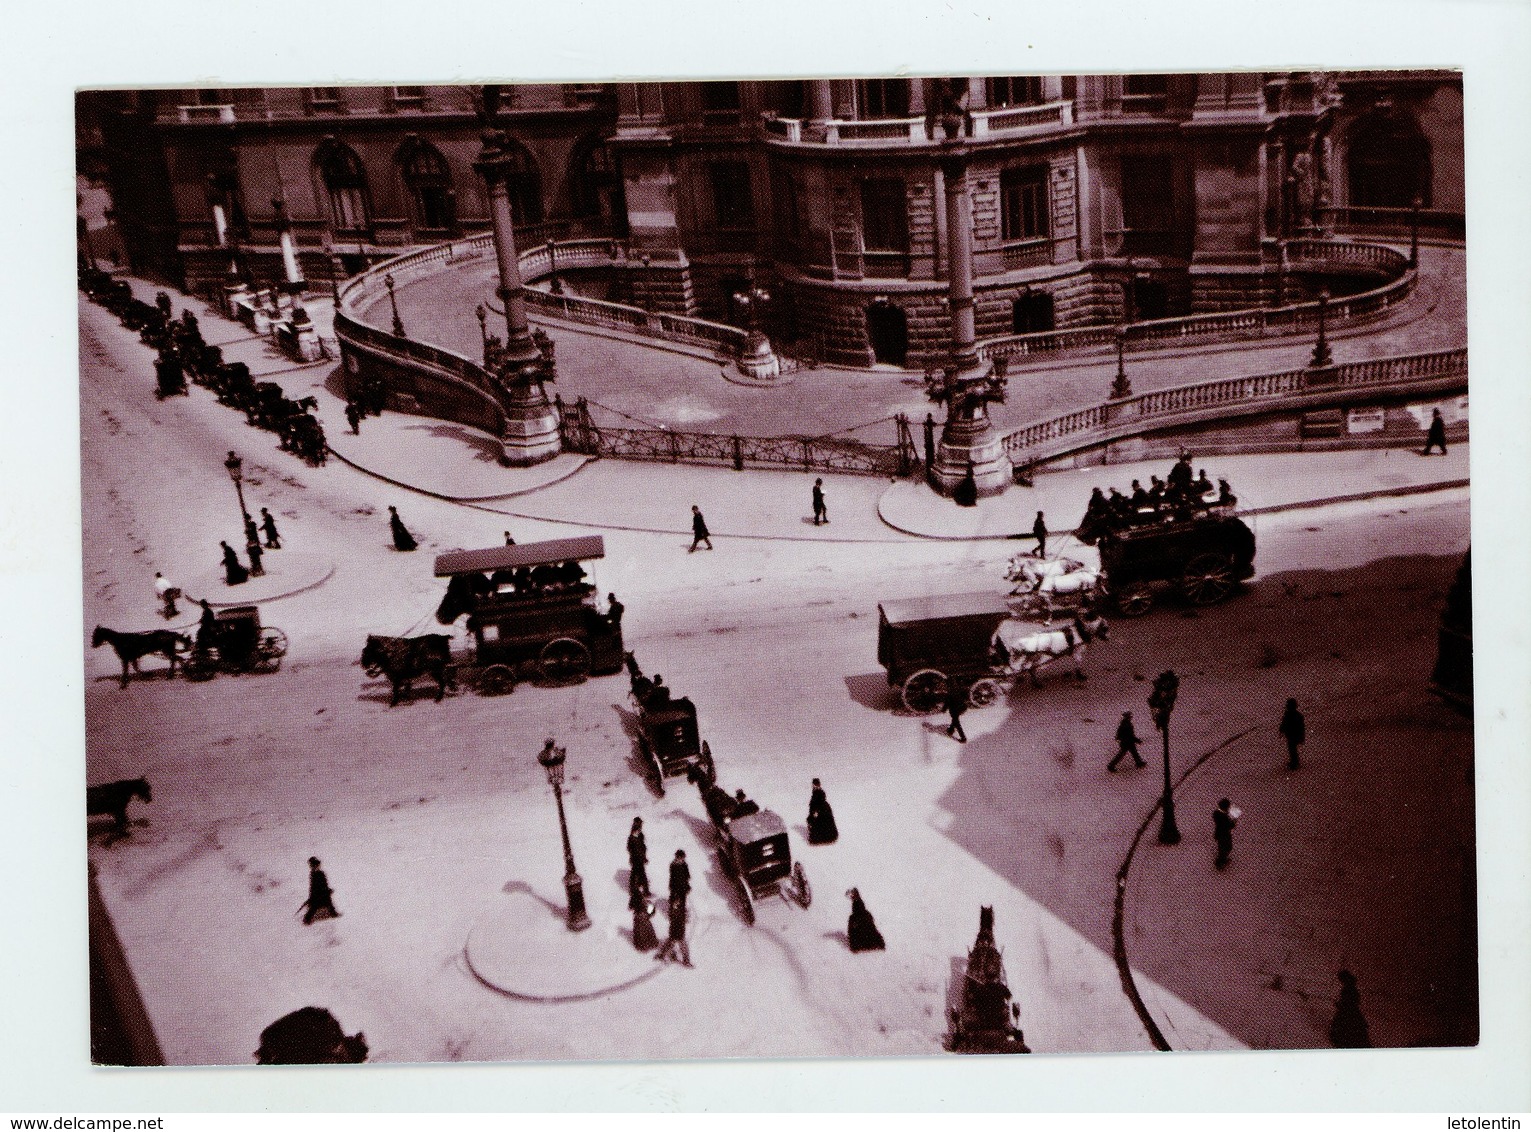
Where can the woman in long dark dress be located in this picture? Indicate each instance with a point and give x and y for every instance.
(644, 938)
(821, 819)
(402, 539)
(234, 572)
(862, 929)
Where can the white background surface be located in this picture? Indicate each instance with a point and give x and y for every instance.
(49, 51)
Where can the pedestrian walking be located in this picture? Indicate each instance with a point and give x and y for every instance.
(1039, 532)
(821, 819)
(1126, 743)
(207, 627)
(680, 878)
(402, 539)
(638, 860)
(234, 572)
(644, 938)
(1294, 728)
(675, 941)
(614, 610)
(268, 524)
(820, 509)
(167, 595)
(1349, 1029)
(320, 904)
(1436, 437)
(252, 532)
(252, 548)
(1224, 818)
(861, 929)
(508, 540)
(699, 529)
(353, 417)
(956, 704)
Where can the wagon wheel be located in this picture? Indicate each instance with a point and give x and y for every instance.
(925, 691)
(273, 641)
(983, 693)
(1134, 599)
(199, 665)
(800, 883)
(564, 660)
(651, 756)
(497, 680)
(1208, 578)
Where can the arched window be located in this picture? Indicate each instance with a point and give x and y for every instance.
(345, 183)
(429, 182)
(1389, 164)
(596, 189)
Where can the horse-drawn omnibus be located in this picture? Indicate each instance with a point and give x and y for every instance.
(530, 606)
(1205, 557)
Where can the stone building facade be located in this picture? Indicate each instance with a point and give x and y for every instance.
(1095, 198)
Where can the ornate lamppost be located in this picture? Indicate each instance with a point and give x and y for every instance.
(1161, 703)
(520, 369)
(1121, 388)
(235, 468)
(552, 759)
(483, 328)
(1322, 356)
(757, 359)
(398, 323)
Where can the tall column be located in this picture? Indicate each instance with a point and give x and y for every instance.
(969, 445)
(916, 97)
(531, 424)
(821, 105)
(290, 269)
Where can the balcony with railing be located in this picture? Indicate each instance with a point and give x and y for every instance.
(997, 122)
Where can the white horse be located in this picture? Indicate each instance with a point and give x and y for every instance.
(1027, 572)
(1024, 649)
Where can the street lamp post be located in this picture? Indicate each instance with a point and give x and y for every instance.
(235, 467)
(1414, 206)
(398, 323)
(1322, 356)
(552, 759)
(1161, 702)
(1120, 386)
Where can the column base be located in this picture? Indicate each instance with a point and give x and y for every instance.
(531, 433)
(984, 453)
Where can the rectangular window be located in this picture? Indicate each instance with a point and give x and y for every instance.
(884, 216)
(720, 98)
(732, 203)
(210, 97)
(1148, 204)
(1023, 203)
(1023, 90)
(324, 98)
(789, 225)
(412, 96)
(1144, 93)
(882, 98)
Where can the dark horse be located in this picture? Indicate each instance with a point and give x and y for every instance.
(133, 647)
(402, 659)
(310, 1036)
(112, 798)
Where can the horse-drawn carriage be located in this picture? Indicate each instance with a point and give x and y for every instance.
(529, 607)
(240, 643)
(1205, 556)
(931, 646)
(752, 847)
(668, 736)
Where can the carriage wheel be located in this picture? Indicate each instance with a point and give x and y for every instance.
(983, 693)
(496, 680)
(1134, 600)
(564, 661)
(273, 641)
(199, 666)
(649, 755)
(800, 883)
(1208, 579)
(925, 691)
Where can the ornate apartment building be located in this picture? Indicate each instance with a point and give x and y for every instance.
(1094, 198)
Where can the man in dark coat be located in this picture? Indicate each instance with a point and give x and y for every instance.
(680, 878)
(353, 417)
(402, 539)
(1126, 743)
(614, 611)
(1039, 532)
(956, 704)
(252, 548)
(861, 928)
(268, 524)
(1224, 818)
(821, 819)
(820, 510)
(252, 532)
(1436, 437)
(638, 859)
(1294, 729)
(321, 901)
(675, 942)
(207, 627)
(234, 572)
(699, 532)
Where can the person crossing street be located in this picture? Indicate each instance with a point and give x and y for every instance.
(699, 532)
(1126, 743)
(268, 524)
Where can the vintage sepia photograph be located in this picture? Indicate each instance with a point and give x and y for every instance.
(857, 567)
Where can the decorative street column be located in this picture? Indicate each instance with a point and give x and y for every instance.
(1161, 703)
(552, 759)
(971, 455)
(531, 423)
(757, 360)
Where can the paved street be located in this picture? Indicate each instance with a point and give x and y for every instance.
(431, 817)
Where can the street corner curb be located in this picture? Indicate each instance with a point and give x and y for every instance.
(898, 507)
(579, 463)
(1359, 496)
(313, 571)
